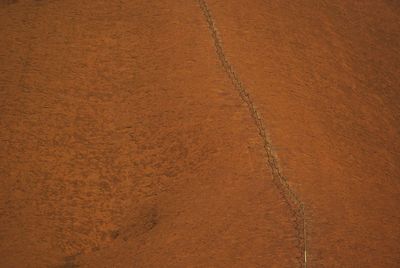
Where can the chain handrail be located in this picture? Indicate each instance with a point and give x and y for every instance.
(291, 198)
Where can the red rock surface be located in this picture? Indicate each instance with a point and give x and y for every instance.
(123, 142)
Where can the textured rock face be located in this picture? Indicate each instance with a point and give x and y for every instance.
(324, 77)
(123, 142)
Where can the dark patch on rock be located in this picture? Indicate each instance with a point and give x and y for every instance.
(70, 261)
(144, 221)
(114, 234)
(8, 2)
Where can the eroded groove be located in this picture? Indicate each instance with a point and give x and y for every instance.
(291, 198)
